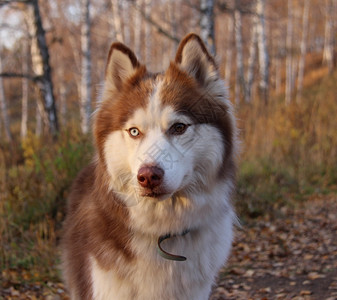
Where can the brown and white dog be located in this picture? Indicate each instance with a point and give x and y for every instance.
(151, 218)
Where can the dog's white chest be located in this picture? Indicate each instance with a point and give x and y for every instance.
(151, 277)
(168, 281)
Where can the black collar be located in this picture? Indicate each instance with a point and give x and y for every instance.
(165, 254)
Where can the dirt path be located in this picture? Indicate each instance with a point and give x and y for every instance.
(293, 256)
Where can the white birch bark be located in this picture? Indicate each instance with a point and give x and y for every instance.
(37, 67)
(240, 81)
(289, 58)
(116, 15)
(85, 108)
(41, 66)
(39, 113)
(165, 13)
(3, 107)
(62, 98)
(148, 35)
(138, 29)
(301, 64)
(46, 84)
(207, 24)
(262, 50)
(25, 91)
(251, 61)
(125, 5)
(328, 52)
(176, 12)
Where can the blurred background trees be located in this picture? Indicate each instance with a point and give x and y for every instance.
(278, 59)
(268, 41)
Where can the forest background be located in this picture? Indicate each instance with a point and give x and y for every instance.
(278, 59)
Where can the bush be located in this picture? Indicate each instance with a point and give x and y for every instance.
(288, 151)
(33, 200)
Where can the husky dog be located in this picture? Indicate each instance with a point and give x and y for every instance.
(151, 217)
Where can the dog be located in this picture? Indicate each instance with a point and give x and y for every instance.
(150, 218)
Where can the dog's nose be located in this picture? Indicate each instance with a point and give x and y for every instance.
(150, 177)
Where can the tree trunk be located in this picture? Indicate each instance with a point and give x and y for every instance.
(262, 50)
(176, 12)
(301, 64)
(39, 115)
(137, 29)
(328, 53)
(148, 34)
(45, 84)
(3, 107)
(278, 74)
(251, 61)
(126, 22)
(229, 50)
(62, 98)
(289, 58)
(207, 24)
(116, 15)
(85, 109)
(240, 80)
(165, 13)
(37, 66)
(25, 91)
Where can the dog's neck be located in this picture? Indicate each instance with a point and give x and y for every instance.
(164, 253)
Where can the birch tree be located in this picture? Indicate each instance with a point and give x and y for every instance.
(62, 97)
(277, 68)
(3, 106)
(85, 108)
(37, 68)
(148, 36)
(240, 80)
(116, 15)
(289, 58)
(25, 91)
(125, 5)
(138, 28)
(176, 13)
(40, 117)
(207, 24)
(328, 52)
(229, 49)
(301, 64)
(251, 61)
(262, 50)
(45, 83)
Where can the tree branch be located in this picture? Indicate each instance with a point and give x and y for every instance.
(149, 19)
(19, 75)
(224, 7)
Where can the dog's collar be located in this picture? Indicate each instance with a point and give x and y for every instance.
(165, 254)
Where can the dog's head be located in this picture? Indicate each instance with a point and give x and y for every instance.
(162, 134)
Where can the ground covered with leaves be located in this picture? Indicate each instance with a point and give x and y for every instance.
(291, 254)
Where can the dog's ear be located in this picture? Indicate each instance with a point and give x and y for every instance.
(192, 57)
(122, 64)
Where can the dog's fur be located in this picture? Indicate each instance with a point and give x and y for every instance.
(179, 122)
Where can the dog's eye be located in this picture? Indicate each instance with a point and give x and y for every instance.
(134, 132)
(178, 128)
